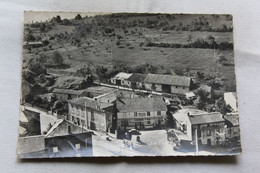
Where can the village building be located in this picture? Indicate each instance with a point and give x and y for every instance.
(233, 129)
(67, 139)
(29, 123)
(107, 97)
(136, 81)
(28, 146)
(63, 139)
(140, 113)
(95, 91)
(121, 79)
(65, 94)
(231, 100)
(210, 127)
(87, 113)
(168, 83)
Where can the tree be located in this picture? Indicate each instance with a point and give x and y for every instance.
(57, 58)
(211, 39)
(42, 27)
(202, 99)
(189, 38)
(66, 22)
(222, 107)
(29, 37)
(78, 17)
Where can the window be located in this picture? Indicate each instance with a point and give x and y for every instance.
(55, 149)
(148, 113)
(141, 114)
(77, 146)
(148, 121)
(176, 86)
(208, 132)
(135, 114)
(159, 113)
(183, 87)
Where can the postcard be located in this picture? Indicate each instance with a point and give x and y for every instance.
(128, 84)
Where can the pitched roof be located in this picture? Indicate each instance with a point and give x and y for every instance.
(107, 95)
(232, 118)
(122, 76)
(60, 128)
(30, 144)
(65, 91)
(168, 79)
(206, 118)
(89, 103)
(141, 104)
(230, 94)
(99, 89)
(137, 77)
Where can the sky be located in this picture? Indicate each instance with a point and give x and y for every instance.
(38, 16)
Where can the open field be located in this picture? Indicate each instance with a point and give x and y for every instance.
(97, 48)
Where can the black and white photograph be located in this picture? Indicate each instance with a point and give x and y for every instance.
(127, 84)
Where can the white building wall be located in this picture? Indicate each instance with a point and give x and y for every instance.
(179, 89)
(231, 100)
(132, 119)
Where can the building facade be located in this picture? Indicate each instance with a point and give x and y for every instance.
(210, 127)
(89, 114)
(140, 113)
(121, 79)
(168, 83)
(64, 95)
(231, 100)
(233, 129)
(171, 84)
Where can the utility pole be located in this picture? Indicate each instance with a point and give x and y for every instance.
(86, 114)
(196, 141)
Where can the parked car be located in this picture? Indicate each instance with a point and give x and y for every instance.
(134, 132)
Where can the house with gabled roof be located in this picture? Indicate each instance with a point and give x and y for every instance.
(29, 123)
(63, 139)
(168, 83)
(210, 126)
(136, 80)
(121, 79)
(140, 113)
(233, 129)
(67, 94)
(90, 114)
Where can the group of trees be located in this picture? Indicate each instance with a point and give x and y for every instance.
(52, 60)
(102, 73)
(160, 21)
(198, 43)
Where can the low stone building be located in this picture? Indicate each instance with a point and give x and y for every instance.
(136, 81)
(168, 83)
(64, 94)
(121, 79)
